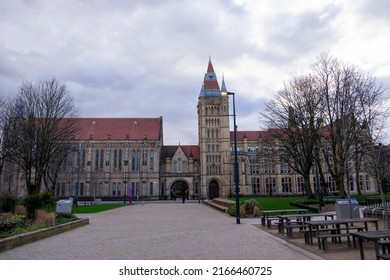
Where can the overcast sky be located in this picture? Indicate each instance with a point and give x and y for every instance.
(130, 58)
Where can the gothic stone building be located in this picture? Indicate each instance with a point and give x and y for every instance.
(126, 158)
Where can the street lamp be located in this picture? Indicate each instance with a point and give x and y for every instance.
(126, 163)
(77, 185)
(318, 187)
(236, 178)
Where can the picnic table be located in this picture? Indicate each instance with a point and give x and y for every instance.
(332, 229)
(378, 237)
(267, 218)
(289, 221)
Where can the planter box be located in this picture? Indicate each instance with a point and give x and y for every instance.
(17, 240)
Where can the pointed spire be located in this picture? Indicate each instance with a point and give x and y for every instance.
(210, 85)
(223, 86)
(210, 68)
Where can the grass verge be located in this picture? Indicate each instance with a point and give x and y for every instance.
(275, 203)
(87, 209)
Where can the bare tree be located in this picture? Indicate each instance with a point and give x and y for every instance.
(374, 114)
(336, 111)
(7, 146)
(43, 125)
(343, 88)
(333, 83)
(3, 152)
(55, 164)
(294, 113)
(2, 124)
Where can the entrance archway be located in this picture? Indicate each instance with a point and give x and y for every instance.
(213, 189)
(179, 188)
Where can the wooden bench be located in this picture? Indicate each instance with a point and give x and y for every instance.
(323, 239)
(270, 215)
(306, 233)
(358, 228)
(290, 228)
(385, 244)
(352, 228)
(383, 256)
(269, 221)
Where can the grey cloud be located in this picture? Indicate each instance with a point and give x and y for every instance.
(375, 9)
(297, 35)
(125, 58)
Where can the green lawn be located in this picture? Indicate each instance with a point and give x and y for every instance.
(278, 202)
(96, 208)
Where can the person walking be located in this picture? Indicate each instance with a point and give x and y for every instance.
(184, 195)
(173, 195)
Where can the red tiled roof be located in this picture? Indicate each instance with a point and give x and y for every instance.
(119, 128)
(251, 135)
(189, 150)
(211, 84)
(271, 133)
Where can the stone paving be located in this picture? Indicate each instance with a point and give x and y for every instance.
(162, 231)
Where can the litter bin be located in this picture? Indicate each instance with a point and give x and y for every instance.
(64, 206)
(344, 207)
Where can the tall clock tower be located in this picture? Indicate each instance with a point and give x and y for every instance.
(214, 137)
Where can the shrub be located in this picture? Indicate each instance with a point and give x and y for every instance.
(8, 224)
(232, 209)
(250, 205)
(62, 218)
(24, 229)
(242, 211)
(7, 202)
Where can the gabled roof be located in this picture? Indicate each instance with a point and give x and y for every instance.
(272, 133)
(120, 129)
(189, 150)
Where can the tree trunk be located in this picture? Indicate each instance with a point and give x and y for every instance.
(309, 191)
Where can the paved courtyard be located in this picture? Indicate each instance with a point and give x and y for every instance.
(162, 231)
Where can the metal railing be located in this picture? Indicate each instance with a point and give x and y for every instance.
(376, 207)
(376, 202)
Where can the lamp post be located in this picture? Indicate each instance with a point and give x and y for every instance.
(77, 185)
(126, 163)
(236, 178)
(318, 187)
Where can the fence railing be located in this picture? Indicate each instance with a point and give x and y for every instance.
(376, 202)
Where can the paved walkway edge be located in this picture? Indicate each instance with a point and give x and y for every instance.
(14, 241)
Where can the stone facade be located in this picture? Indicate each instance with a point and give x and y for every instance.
(126, 159)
